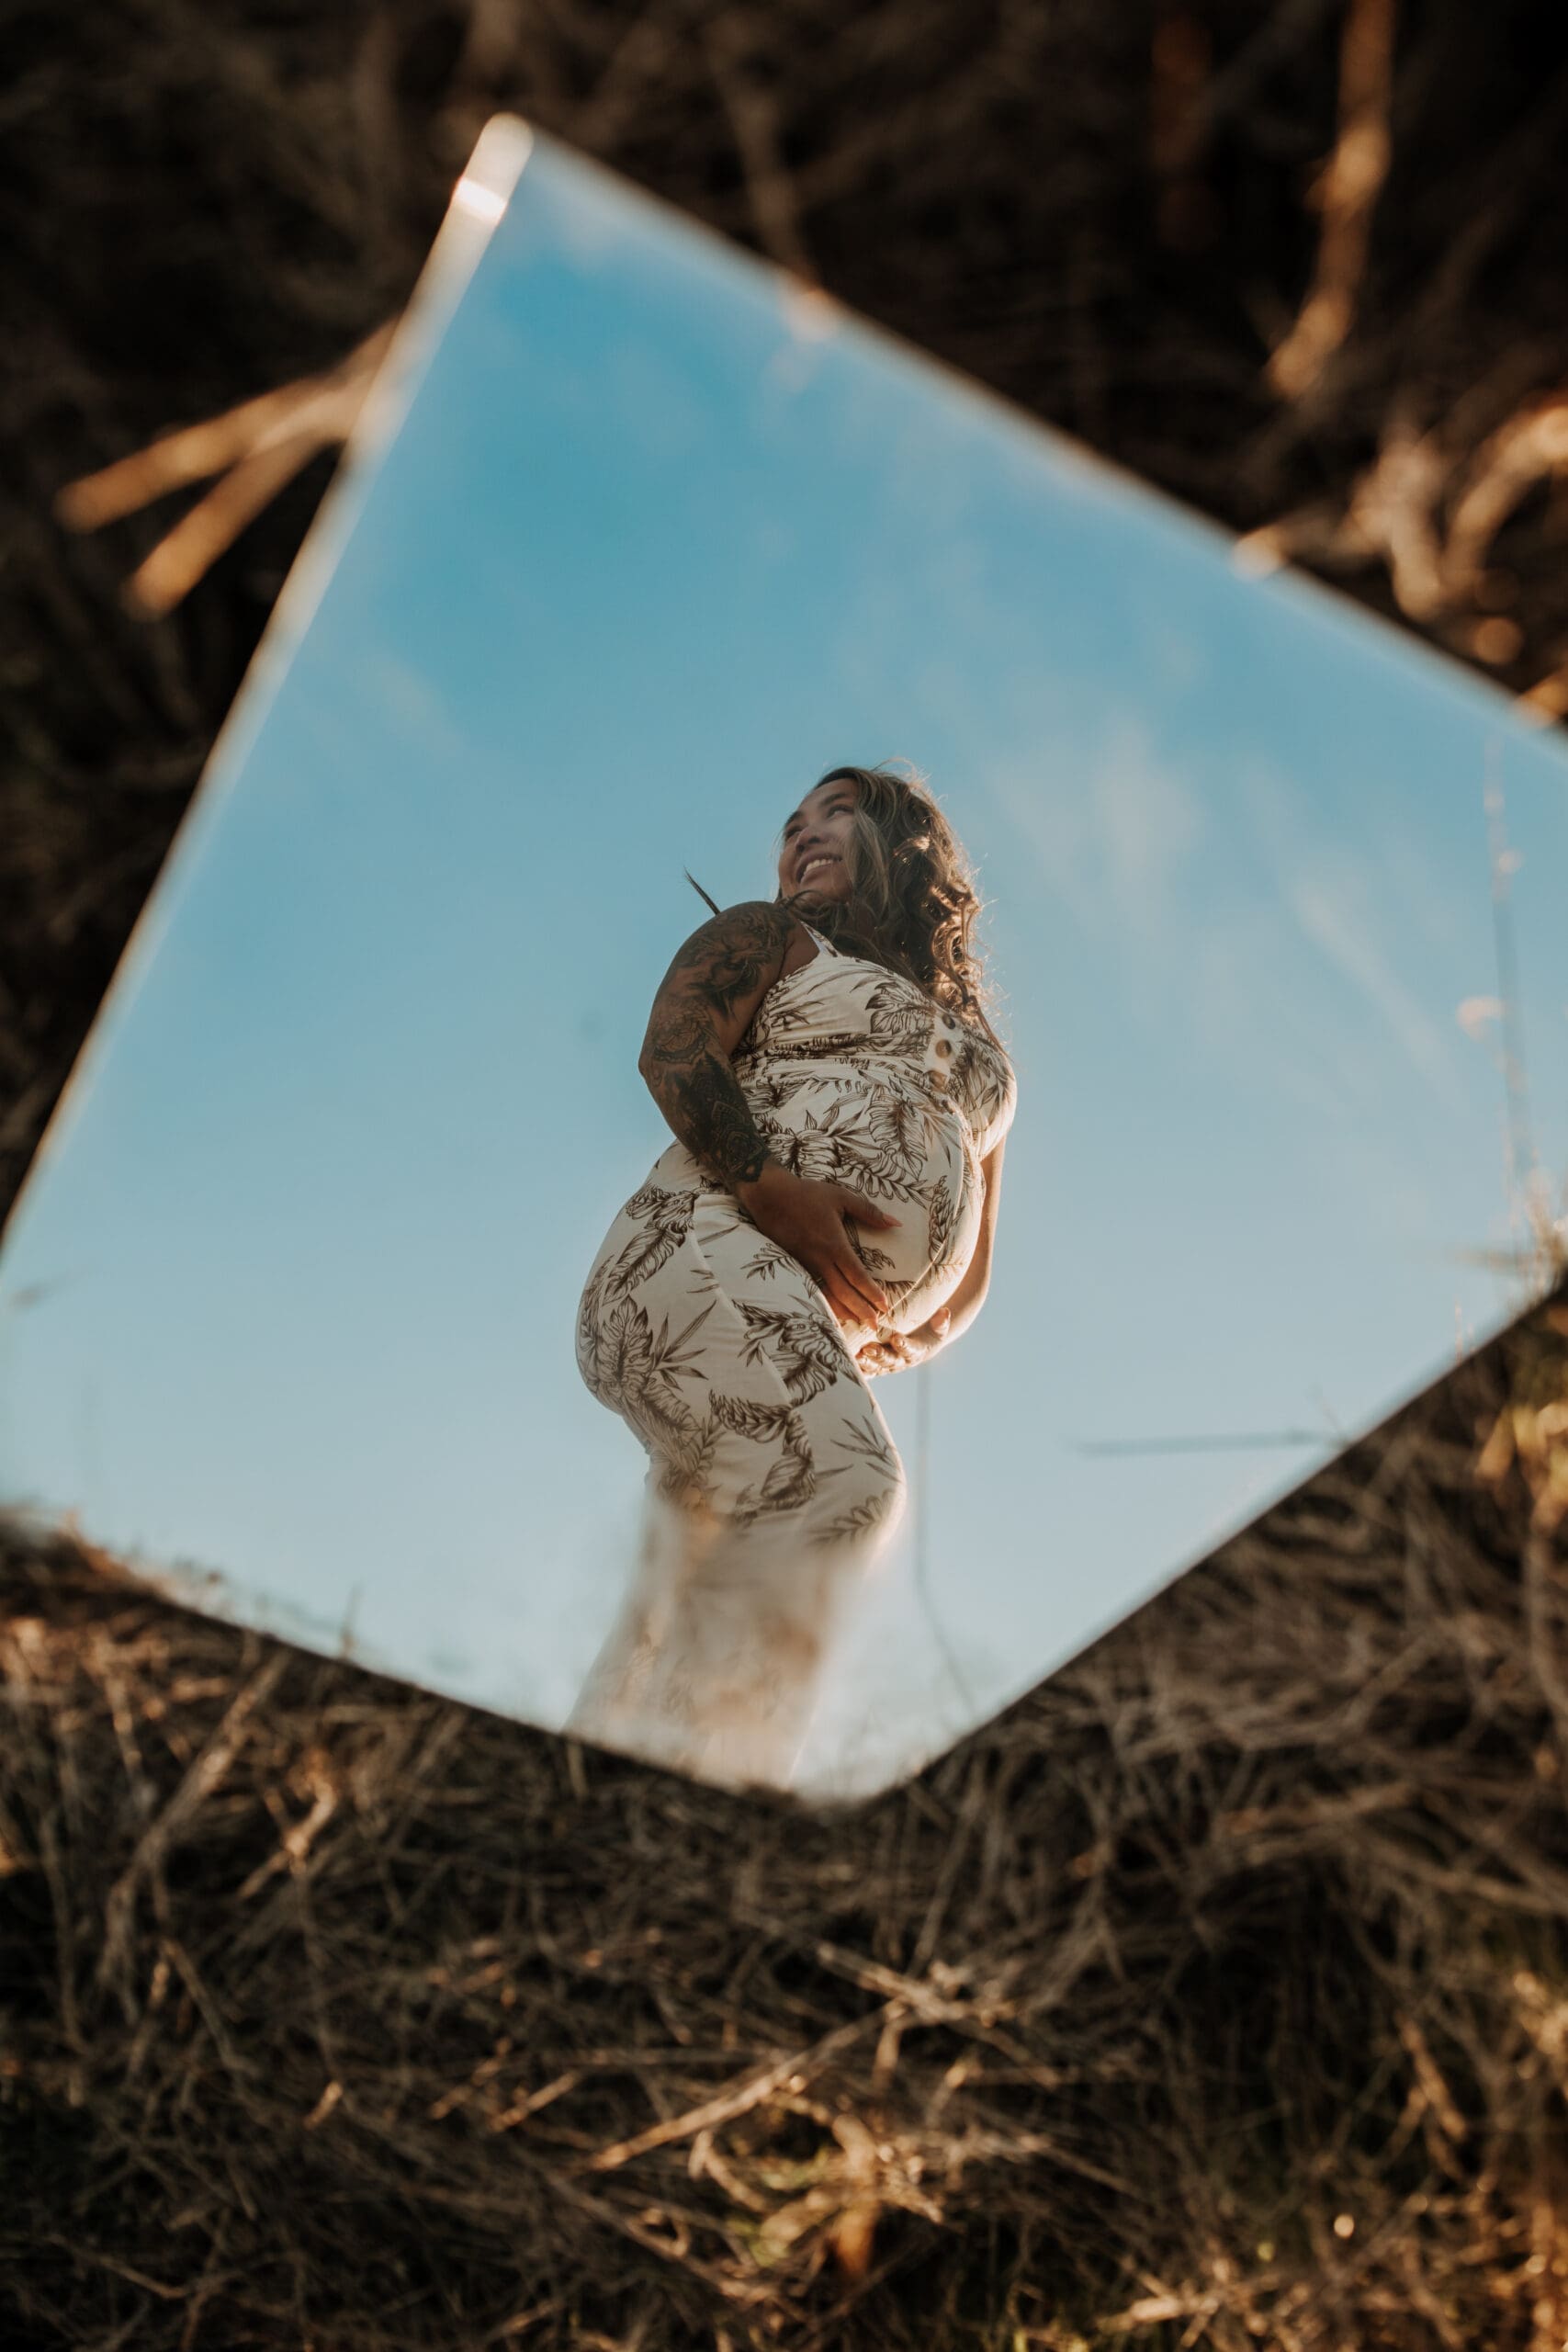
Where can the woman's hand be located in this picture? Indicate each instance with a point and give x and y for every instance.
(900, 1350)
(806, 1216)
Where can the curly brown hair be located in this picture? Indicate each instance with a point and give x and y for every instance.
(911, 885)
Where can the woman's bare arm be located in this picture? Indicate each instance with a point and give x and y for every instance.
(703, 1008)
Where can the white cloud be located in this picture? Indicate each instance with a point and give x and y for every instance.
(1148, 821)
(1112, 837)
(1332, 904)
(1354, 906)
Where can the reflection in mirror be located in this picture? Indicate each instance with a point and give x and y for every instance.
(823, 1218)
(461, 1245)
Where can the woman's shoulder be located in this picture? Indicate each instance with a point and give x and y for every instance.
(768, 934)
(802, 944)
(759, 930)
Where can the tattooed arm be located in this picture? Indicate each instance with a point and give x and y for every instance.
(703, 1009)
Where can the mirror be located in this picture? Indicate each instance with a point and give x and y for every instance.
(636, 543)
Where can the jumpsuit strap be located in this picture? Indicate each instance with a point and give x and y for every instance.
(825, 944)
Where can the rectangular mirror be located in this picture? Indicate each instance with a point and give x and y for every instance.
(638, 541)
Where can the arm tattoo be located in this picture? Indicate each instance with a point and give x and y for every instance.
(724, 958)
(705, 1107)
(687, 1069)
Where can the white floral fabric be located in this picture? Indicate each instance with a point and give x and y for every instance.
(774, 1481)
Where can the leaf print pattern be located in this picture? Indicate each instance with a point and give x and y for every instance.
(900, 1018)
(939, 1225)
(806, 1349)
(766, 1259)
(773, 1479)
(667, 1221)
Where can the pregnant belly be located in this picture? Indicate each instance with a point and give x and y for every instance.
(912, 1157)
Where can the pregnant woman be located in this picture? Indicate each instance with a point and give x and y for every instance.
(825, 1216)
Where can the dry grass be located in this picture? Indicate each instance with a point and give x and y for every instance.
(1217, 1993)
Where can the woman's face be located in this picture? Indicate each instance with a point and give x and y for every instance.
(816, 852)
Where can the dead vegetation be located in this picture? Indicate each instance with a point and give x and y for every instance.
(1217, 1995)
(1184, 2003)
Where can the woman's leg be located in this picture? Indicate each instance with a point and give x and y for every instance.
(773, 1483)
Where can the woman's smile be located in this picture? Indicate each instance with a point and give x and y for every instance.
(826, 814)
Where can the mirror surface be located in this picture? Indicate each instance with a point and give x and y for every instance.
(636, 542)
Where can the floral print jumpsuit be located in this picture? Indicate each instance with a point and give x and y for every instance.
(773, 1480)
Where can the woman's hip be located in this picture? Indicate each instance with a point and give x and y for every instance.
(682, 1236)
